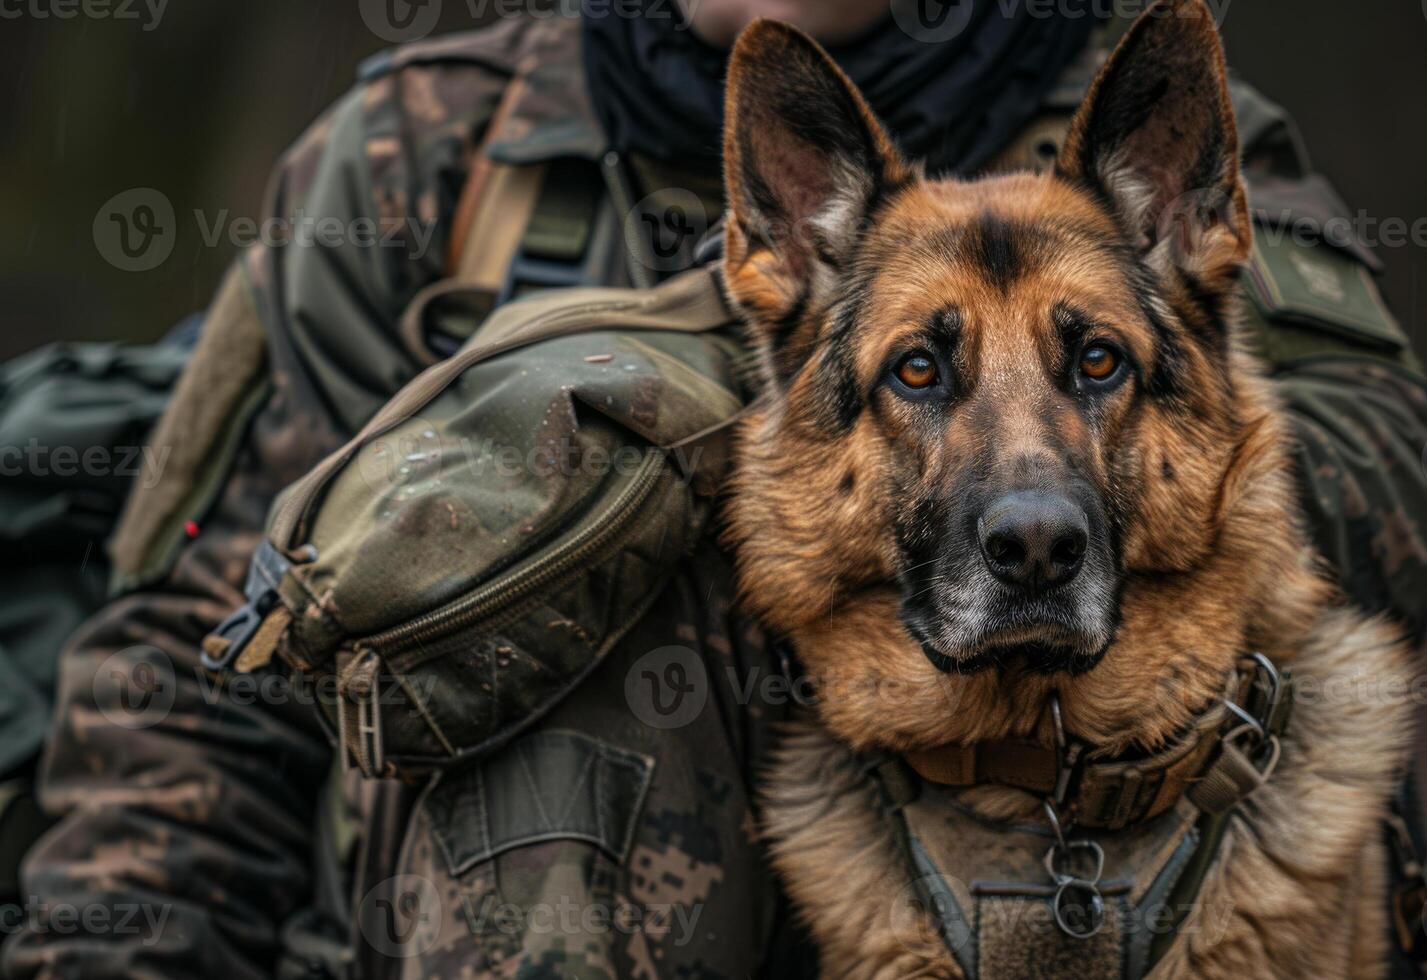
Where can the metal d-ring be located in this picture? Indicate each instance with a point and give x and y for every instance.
(1078, 920)
(1077, 905)
(1271, 672)
(1248, 719)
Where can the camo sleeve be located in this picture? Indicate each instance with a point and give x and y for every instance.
(185, 808)
(1362, 456)
(1345, 367)
(185, 811)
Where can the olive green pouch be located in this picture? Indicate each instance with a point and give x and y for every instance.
(476, 550)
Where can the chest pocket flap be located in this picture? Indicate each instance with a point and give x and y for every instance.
(549, 785)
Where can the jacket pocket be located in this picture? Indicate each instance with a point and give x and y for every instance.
(548, 785)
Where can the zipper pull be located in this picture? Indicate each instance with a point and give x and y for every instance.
(226, 643)
(359, 726)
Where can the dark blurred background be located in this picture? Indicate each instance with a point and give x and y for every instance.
(198, 101)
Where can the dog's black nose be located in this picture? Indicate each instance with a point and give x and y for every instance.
(1032, 539)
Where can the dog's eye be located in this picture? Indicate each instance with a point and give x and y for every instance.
(916, 370)
(1099, 362)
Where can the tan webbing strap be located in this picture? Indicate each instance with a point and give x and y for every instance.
(502, 214)
(495, 207)
(1022, 765)
(221, 389)
(1231, 779)
(479, 193)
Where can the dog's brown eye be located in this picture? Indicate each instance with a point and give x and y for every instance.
(916, 371)
(1099, 361)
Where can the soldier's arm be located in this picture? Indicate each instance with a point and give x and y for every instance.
(1345, 368)
(186, 808)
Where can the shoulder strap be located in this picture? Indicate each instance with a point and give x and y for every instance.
(494, 202)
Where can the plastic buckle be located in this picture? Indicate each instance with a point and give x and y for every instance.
(527, 272)
(265, 571)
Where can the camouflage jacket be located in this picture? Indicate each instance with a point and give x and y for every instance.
(199, 831)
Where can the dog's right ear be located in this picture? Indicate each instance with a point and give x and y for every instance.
(805, 162)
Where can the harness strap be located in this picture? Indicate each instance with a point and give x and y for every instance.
(1227, 783)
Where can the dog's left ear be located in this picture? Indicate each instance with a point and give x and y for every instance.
(1156, 137)
(804, 163)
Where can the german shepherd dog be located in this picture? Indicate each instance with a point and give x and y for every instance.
(1012, 449)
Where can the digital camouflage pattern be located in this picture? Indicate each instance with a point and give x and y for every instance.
(200, 812)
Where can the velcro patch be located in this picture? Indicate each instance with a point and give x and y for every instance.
(1320, 287)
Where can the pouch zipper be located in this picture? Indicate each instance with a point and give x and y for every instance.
(520, 583)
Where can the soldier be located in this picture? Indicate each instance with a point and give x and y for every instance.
(217, 835)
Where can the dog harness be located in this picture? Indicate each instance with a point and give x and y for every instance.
(1102, 888)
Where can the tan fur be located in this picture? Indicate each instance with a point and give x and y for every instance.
(1214, 559)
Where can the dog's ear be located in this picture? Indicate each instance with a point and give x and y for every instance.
(1156, 137)
(804, 163)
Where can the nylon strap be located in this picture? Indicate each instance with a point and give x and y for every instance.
(1105, 794)
(559, 228)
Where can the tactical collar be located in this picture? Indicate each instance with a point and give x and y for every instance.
(1112, 793)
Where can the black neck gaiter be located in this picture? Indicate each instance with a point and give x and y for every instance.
(658, 89)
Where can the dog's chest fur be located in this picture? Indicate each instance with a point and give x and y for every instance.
(1296, 889)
